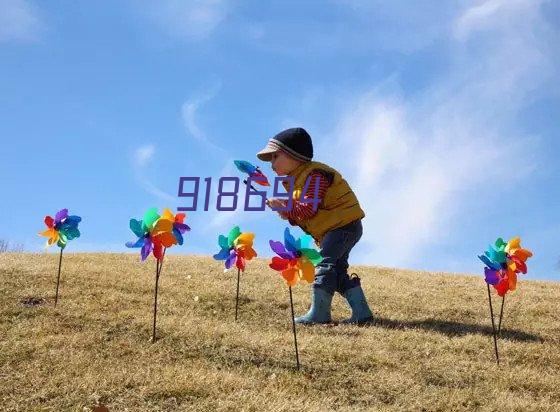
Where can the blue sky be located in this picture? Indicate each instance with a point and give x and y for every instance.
(442, 116)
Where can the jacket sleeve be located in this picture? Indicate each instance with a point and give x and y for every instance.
(302, 211)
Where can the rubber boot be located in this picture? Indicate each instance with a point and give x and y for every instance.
(361, 312)
(320, 311)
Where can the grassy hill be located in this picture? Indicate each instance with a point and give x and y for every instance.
(430, 349)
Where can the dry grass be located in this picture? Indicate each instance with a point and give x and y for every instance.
(430, 349)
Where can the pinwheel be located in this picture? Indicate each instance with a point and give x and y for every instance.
(236, 249)
(503, 262)
(59, 231)
(252, 171)
(155, 234)
(295, 261)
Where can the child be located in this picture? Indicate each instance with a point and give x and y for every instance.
(335, 225)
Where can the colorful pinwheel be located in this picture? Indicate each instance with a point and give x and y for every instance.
(155, 235)
(295, 261)
(236, 249)
(503, 262)
(253, 171)
(60, 230)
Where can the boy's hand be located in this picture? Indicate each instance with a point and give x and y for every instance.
(275, 203)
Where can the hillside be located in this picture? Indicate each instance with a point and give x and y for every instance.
(430, 349)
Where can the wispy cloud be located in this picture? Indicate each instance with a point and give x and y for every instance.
(190, 111)
(496, 14)
(190, 19)
(416, 161)
(19, 21)
(141, 158)
(144, 154)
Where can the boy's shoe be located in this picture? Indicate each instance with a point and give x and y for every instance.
(320, 311)
(361, 312)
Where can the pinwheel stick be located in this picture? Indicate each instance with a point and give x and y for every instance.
(501, 315)
(237, 297)
(294, 327)
(252, 187)
(58, 277)
(493, 325)
(159, 265)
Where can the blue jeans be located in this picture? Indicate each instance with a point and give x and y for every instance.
(331, 274)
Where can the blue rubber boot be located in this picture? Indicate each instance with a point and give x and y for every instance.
(361, 312)
(320, 311)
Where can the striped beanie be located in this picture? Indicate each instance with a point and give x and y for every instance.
(296, 142)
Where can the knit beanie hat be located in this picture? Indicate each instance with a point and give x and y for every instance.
(296, 142)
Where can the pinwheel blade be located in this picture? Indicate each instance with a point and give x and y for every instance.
(291, 276)
(314, 256)
(279, 264)
(233, 234)
(150, 217)
(181, 227)
(259, 178)
(139, 243)
(61, 215)
(146, 249)
(49, 221)
(167, 214)
(178, 236)
(244, 166)
(223, 242)
(491, 276)
(72, 220)
(231, 259)
(162, 226)
(500, 245)
(513, 244)
(167, 239)
(137, 227)
(307, 270)
(245, 239)
(240, 262)
(489, 263)
(289, 241)
(280, 250)
(502, 286)
(222, 254)
(303, 242)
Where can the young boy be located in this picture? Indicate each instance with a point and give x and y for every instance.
(335, 225)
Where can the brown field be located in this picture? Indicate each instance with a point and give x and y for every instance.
(430, 349)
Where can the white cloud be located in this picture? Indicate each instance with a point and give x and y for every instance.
(496, 14)
(414, 162)
(189, 112)
(190, 19)
(19, 21)
(142, 156)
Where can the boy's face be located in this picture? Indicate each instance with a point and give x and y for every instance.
(282, 163)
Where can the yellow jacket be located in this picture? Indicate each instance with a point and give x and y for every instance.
(339, 207)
